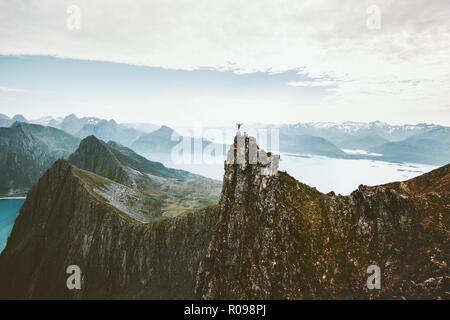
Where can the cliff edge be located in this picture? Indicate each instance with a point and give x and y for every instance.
(271, 237)
(277, 238)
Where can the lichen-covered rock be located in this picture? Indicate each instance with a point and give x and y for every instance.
(279, 239)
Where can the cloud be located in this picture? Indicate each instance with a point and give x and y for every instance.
(321, 38)
(311, 83)
(15, 90)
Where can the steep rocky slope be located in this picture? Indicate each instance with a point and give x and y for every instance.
(64, 222)
(280, 239)
(95, 155)
(26, 151)
(271, 238)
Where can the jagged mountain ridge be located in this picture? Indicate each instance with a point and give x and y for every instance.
(109, 130)
(86, 126)
(272, 237)
(421, 143)
(6, 121)
(393, 143)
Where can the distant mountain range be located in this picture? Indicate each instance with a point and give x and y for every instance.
(27, 150)
(160, 144)
(103, 129)
(421, 143)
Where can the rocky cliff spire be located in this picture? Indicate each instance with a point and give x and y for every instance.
(248, 206)
(277, 238)
(244, 151)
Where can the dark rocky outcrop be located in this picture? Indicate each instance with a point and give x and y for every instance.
(280, 239)
(64, 223)
(95, 155)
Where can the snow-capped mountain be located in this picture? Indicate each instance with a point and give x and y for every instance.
(48, 121)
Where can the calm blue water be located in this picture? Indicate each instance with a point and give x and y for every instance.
(9, 209)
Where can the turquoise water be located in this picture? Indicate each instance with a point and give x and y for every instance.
(9, 209)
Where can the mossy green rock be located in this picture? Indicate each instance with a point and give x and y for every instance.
(271, 237)
(63, 223)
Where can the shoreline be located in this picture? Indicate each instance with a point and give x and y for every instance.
(13, 198)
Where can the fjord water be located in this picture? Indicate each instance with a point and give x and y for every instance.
(326, 174)
(345, 175)
(9, 209)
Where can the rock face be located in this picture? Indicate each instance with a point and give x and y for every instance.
(26, 151)
(96, 156)
(279, 239)
(246, 152)
(64, 223)
(271, 238)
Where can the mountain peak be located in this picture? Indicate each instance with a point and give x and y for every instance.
(64, 219)
(17, 124)
(165, 129)
(20, 118)
(161, 140)
(71, 116)
(244, 152)
(96, 156)
(91, 139)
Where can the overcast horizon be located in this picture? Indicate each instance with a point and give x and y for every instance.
(197, 123)
(222, 62)
(11, 115)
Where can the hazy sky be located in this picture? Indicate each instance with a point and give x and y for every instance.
(177, 62)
